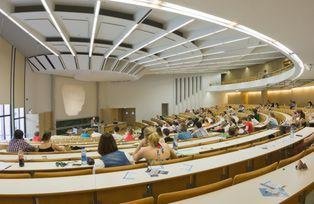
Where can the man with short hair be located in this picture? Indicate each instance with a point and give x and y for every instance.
(116, 134)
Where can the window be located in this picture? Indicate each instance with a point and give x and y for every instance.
(5, 122)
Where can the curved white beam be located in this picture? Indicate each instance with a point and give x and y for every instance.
(170, 7)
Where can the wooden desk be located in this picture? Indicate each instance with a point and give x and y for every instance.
(225, 144)
(17, 187)
(248, 192)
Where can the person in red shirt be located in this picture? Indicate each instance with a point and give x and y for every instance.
(249, 127)
(129, 135)
(36, 137)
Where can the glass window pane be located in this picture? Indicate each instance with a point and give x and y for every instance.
(6, 109)
(21, 112)
(1, 129)
(17, 124)
(16, 113)
(7, 127)
(22, 125)
(1, 110)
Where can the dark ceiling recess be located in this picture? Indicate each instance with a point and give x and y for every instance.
(20, 9)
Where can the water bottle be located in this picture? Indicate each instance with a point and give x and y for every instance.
(21, 158)
(83, 156)
(175, 143)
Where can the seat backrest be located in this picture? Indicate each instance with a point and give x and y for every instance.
(14, 175)
(172, 161)
(309, 150)
(289, 160)
(148, 200)
(181, 195)
(120, 168)
(209, 154)
(62, 173)
(249, 175)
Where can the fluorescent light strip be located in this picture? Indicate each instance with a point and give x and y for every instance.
(175, 60)
(213, 63)
(55, 23)
(96, 14)
(204, 47)
(188, 40)
(211, 59)
(28, 32)
(155, 39)
(121, 40)
(220, 21)
(257, 46)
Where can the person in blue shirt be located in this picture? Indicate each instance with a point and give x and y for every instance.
(183, 134)
(110, 155)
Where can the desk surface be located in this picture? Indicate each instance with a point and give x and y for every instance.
(248, 192)
(229, 143)
(137, 176)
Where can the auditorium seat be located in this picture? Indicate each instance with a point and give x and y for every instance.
(148, 200)
(189, 193)
(289, 160)
(249, 175)
(62, 173)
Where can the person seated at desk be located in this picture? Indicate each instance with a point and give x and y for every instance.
(254, 121)
(85, 135)
(159, 132)
(110, 155)
(36, 137)
(116, 134)
(166, 133)
(249, 127)
(155, 151)
(309, 104)
(18, 143)
(273, 123)
(129, 135)
(256, 115)
(47, 145)
(200, 131)
(183, 134)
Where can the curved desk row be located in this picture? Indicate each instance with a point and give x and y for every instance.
(248, 191)
(116, 187)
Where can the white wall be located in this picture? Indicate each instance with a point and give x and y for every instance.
(89, 107)
(38, 91)
(148, 93)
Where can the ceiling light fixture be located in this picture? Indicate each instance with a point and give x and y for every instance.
(57, 26)
(92, 39)
(181, 43)
(127, 34)
(220, 21)
(28, 32)
(157, 38)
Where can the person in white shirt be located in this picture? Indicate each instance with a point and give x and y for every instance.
(116, 134)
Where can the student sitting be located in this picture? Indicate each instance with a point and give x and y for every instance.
(155, 151)
(200, 131)
(129, 135)
(36, 137)
(116, 134)
(183, 134)
(110, 155)
(273, 123)
(47, 145)
(249, 127)
(18, 143)
(166, 133)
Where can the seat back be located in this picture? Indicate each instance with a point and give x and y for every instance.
(120, 168)
(62, 173)
(181, 195)
(249, 175)
(172, 161)
(148, 200)
(14, 175)
(289, 160)
(209, 154)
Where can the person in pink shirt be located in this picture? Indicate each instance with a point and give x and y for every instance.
(36, 137)
(129, 135)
